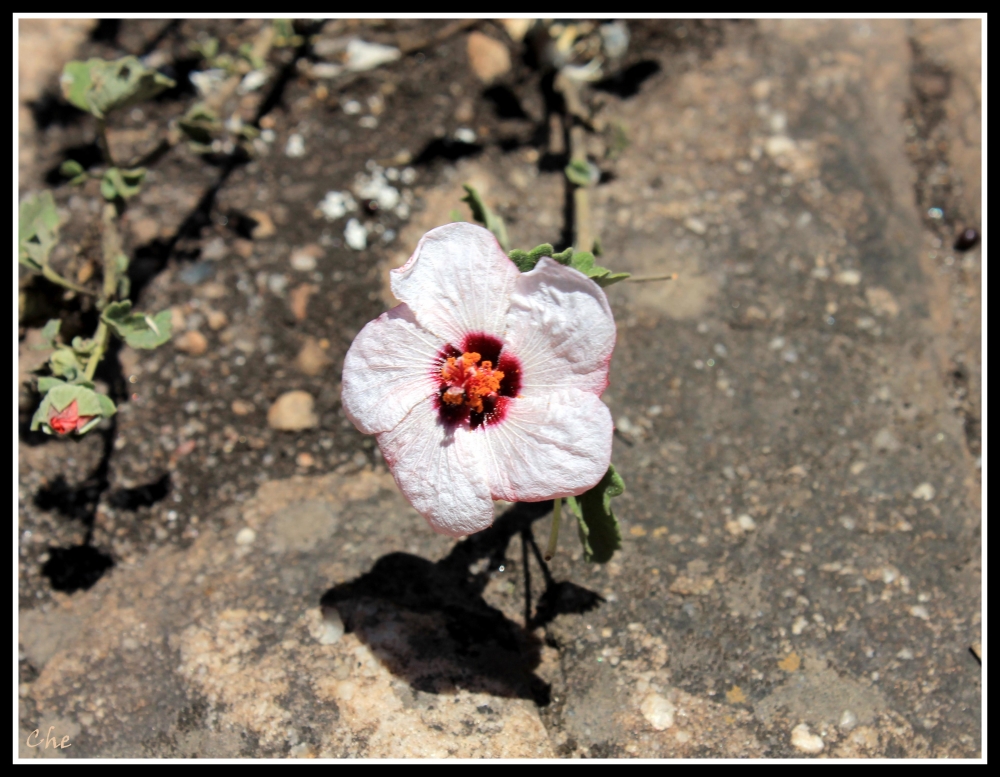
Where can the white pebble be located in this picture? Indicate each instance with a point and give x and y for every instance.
(246, 536)
(296, 146)
(746, 522)
(408, 175)
(919, 611)
(658, 711)
(355, 235)
(848, 720)
(368, 122)
(303, 261)
(905, 654)
(697, 226)
(337, 204)
(331, 629)
(777, 344)
(924, 491)
(848, 278)
(465, 135)
(352, 107)
(252, 81)
(806, 741)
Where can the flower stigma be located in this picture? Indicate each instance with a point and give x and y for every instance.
(469, 381)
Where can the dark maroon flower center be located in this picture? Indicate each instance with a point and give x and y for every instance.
(454, 407)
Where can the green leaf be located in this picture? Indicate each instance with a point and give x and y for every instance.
(83, 347)
(599, 530)
(207, 48)
(486, 217)
(51, 331)
(71, 169)
(199, 123)
(612, 278)
(63, 363)
(99, 86)
(137, 329)
(37, 229)
(59, 397)
(582, 173)
(46, 384)
(122, 183)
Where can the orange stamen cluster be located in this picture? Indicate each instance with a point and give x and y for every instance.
(469, 381)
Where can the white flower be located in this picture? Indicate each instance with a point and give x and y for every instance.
(485, 383)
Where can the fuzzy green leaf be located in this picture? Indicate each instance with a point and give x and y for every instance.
(599, 530)
(64, 363)
(51, 331)
(37, 229)
(137, 329)
(46, 384)
(99, 86)
(486, 217)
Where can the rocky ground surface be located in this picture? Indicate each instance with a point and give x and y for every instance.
(220, 574)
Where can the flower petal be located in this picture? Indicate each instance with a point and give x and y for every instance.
(561, 328)
(389, 368)
(457, 282)
(546, 447)
(440, 471)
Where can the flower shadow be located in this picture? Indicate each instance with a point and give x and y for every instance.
(429, 624)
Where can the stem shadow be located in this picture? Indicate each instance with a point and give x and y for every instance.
(429, 624)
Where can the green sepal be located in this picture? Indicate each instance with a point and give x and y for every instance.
(122, 183)
(486, 217)
(99, 86)
(58, 398)
(136, 329)
(37, 229)
(600, 533)
(526, 260)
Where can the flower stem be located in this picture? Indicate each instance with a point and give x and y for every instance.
(102, 142)
(57, 279)
(550, 551)
(101, 340)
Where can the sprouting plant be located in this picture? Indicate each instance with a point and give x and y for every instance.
(70, 403)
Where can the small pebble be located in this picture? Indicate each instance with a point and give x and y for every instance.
(293, 411)
(216, 320)
(242, 407)
(806, 741)
(296, 146)
(924, 491)
(658, 711)
(192, 342)
(848, 720)
(697, 226)
(848, 278)
(919, 611)
(355, 235)
(246, 536)
(265, 225)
